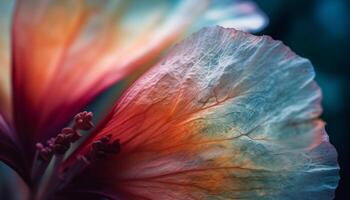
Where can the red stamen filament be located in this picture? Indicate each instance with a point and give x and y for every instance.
(49, 157)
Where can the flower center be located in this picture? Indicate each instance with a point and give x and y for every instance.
(46, 173)
(61, 143)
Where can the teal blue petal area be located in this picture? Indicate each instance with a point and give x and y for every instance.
(268, 102)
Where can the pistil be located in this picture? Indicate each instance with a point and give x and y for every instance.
(49, 157)
(100, 150)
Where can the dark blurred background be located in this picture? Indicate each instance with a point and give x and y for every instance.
(319, 30)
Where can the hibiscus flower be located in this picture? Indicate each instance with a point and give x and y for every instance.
(224, 115)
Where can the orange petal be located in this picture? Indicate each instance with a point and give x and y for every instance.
(66, 52)
(226, 115)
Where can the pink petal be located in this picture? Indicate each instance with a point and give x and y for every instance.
(226, 115)
(10, 151)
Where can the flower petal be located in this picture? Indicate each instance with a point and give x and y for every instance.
(241, 15)
(10, 152)
(11, 185)
(226, 115)
(6, 8)
(67, 52)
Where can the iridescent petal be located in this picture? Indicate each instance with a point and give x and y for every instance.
(6, 8)
(67, 52)
(226, 115)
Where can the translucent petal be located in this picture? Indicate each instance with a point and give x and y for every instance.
(225, 115)
(6, 8)
(242, 15)
(67, 52)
